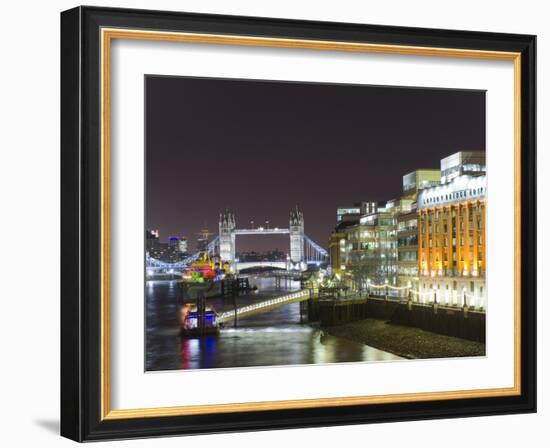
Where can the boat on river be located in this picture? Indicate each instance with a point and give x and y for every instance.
(203, 278)
(197, 322)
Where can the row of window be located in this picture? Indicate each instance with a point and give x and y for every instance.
(446, 242)
(407, 256)
(445, 258)
(443, 216)
(366, 235)
(411, 240)
(445, 227)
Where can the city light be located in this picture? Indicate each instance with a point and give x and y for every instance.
(408, 261)
(228, 315)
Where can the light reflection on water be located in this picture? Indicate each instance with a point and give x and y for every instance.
(273, 338)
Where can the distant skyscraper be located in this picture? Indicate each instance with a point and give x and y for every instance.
(203, 239)
(183, 245)
(152, 234)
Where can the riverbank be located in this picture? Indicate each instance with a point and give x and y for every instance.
(408, 342)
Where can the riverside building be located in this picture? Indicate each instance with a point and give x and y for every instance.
(337, 246)
(407, 225)
(451, 233)
(371, 247)
(346, 218)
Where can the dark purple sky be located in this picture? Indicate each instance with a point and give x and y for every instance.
(259, 148)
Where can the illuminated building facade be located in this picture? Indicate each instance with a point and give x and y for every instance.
(431, 240)
(183, 245)
(451, 233)
(178, 245)
(348, 213)
(407, 247)
(168, 252)
(371, 247)
(469, 163)
(337, 251)
(419, 180)
(407, 224)
(354, 212)
(153, 246)
(337, 244)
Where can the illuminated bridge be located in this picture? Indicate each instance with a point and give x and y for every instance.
(303, 250)
(266, 305)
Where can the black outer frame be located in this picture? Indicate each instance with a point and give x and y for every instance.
(80, 224)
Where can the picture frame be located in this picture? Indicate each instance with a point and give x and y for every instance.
(86, 210)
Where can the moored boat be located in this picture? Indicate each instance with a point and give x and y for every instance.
(203, 278)
(197, 323)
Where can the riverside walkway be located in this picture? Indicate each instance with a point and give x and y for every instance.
(266, 305)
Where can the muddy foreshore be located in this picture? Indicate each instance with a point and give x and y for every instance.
(408, 342)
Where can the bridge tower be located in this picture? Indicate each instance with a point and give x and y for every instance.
(296, 230)
(227, 238)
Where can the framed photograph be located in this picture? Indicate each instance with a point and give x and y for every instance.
(276, 224)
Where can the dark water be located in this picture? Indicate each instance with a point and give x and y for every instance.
(273, 338)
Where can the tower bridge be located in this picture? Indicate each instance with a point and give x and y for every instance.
(303, 250)
(228, 232)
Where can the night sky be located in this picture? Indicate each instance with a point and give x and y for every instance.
(261, 148)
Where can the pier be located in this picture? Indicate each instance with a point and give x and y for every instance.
(266, 305)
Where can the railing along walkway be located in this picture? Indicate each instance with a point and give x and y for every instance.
(264, 306)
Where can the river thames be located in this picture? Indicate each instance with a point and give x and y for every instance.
(274, 338)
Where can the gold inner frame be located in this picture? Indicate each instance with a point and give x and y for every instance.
(107, 35)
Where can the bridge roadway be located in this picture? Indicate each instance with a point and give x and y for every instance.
(262, 231)
(282, 274)
(241, 265)
(266, 305)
